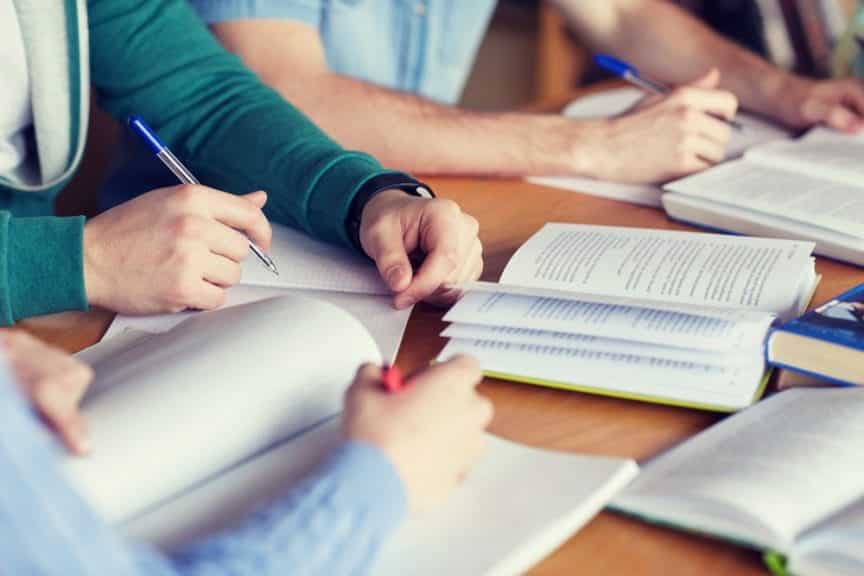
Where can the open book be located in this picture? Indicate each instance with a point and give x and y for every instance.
(311, 268)
(809, 189)
(665, 316)
(194, 428)
(616, 102)
(785, 475)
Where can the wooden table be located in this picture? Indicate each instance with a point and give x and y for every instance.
(509, 212)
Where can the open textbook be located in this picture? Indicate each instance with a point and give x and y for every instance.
(195, 428)
(615, 102)
(665, 316)
(811, 189)
(785, 475)
(312, 268)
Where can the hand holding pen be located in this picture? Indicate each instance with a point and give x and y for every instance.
(675, 134)
(630, 73)
(161, 151)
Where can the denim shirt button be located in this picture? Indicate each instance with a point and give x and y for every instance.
(420, 9)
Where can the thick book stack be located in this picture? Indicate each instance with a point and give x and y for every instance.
(663, 316)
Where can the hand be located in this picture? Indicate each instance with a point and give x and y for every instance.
(53, 381)
(663, 138)
(395, 225)
(839, 104)
(171, 249)
(432, 430)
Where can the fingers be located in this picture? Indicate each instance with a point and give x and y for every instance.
(224, 241)
(208, 296)
(452, 289)
(841, 118)
(368, 376)
(460, 372)
(447, 236)
(54, 382)
(384, 243)
(242, 214)
(708, 81)
(718, 102)
(222, 271)
(58, 405)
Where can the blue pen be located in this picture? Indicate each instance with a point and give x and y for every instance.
(182, 173)
(629, 73)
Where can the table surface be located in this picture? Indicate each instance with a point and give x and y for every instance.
(509, 212)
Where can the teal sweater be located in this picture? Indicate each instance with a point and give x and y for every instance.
(156, 59)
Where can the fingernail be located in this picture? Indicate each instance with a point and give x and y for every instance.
(394, 276)
(82, 439)
(404, 302)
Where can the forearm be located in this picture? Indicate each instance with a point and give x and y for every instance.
(333, 523)
(414, 134)
(234, 133)
(664, 41)
(41, 266)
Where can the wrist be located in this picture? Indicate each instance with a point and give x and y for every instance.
(394, 185)
(586, 153)
(93, 283)
(780, 95)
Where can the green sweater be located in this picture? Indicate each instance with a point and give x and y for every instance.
(156, 59)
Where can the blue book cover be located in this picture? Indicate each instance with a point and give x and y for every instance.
(840, 321)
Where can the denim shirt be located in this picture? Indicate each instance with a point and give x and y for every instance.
(426, 47)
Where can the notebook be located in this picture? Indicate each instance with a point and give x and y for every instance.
(196, 427)
(810, 189)
(615, 102)
(824, 346)
(657, 315)
(306, 267)
(784, 476)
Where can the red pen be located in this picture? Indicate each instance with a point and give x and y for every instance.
(391, 376)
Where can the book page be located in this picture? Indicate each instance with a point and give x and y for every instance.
(304, 262)
(799, 446)
(549, 496)
(825, 155)
(180, 406)
(717, 215)
(749, 185)
(632, 323)
(739, 355)
(833, 548)
(376, 313)
(728, 387)
(665, 266)
(615, 102)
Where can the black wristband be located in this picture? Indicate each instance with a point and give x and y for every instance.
(374, 186)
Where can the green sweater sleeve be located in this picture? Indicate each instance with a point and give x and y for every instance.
(156, 59)
(41, 261)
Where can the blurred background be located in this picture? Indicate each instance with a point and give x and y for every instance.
(529, 56)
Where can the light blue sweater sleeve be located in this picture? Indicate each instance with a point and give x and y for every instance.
(333, 523)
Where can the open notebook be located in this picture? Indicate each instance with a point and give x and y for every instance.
(810, 189)
(196, 427)
(312, 268)
(785, 475)
(615, 102)
(664, 316)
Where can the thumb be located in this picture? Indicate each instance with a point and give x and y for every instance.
(259, 198)
(840, 118)
(707, 81)
(385, 245)
(368, 377)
